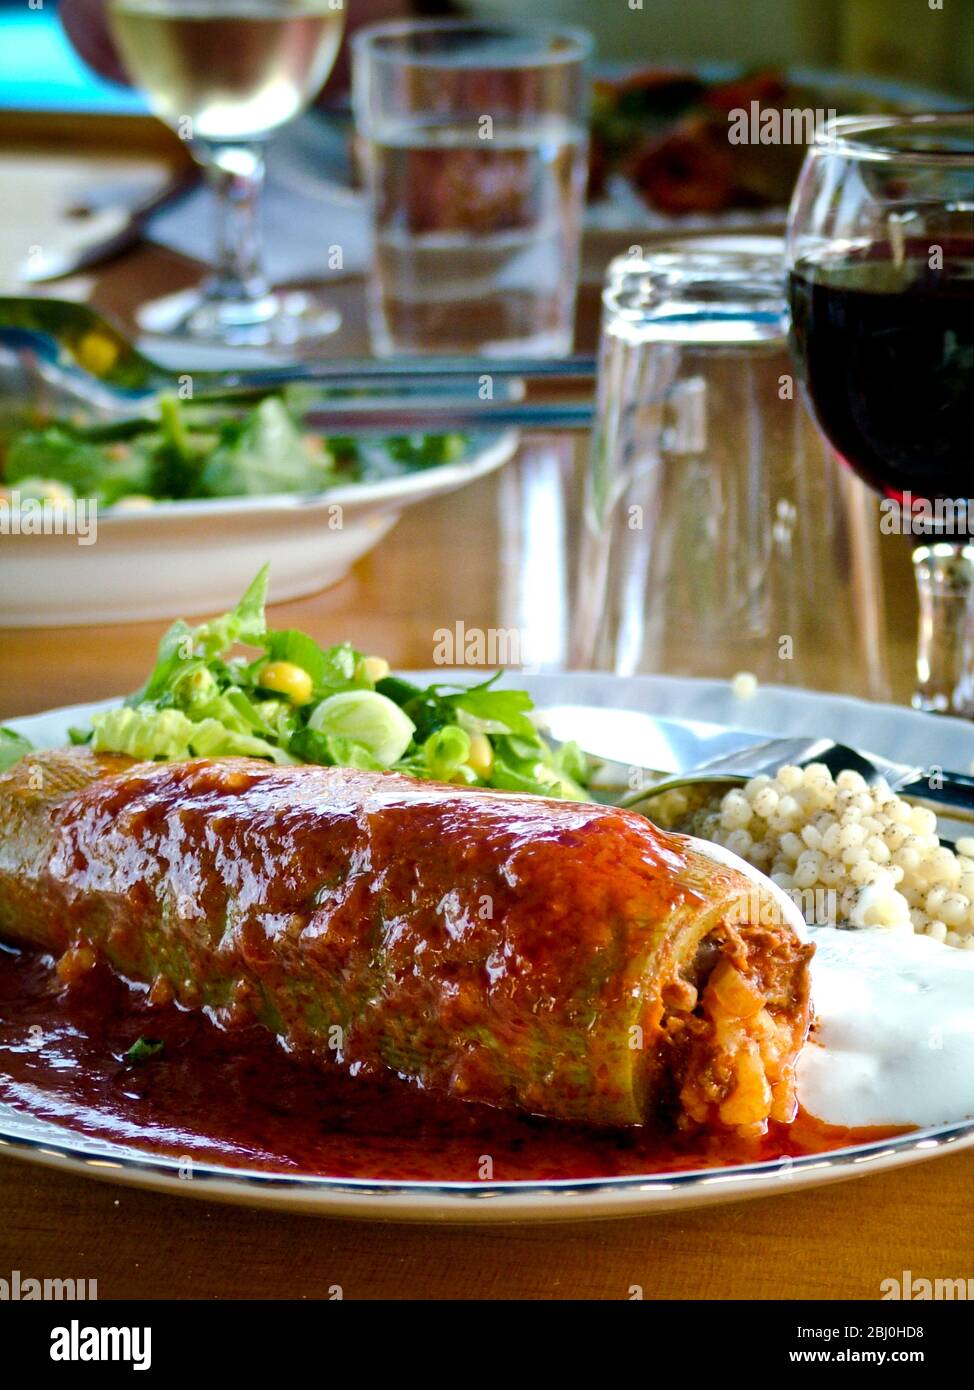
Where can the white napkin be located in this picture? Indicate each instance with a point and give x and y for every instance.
(308, 209)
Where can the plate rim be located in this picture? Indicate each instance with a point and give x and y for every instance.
(925, 1139)
(705, 684)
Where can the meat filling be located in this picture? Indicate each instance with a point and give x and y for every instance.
(737, 1024)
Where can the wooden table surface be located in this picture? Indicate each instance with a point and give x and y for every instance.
(453, 559)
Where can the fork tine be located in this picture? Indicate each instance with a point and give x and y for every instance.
(764, 759)
(840, 758)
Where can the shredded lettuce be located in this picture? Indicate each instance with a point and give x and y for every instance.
(89, 470)
(245, 623)
(185, 650)
(268, 455)
(204, 698)
(332, 750)
(148, 733)
(12, 748)
(214, 448)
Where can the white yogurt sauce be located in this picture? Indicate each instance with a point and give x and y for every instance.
(894, 1037)
(894, 1040)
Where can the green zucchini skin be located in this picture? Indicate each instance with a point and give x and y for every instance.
(498, 948)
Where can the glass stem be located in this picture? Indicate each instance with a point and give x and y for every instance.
(236, 173)
(945, 652)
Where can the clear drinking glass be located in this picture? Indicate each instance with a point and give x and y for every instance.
(719, 534)
(474, 142)
(881, 254)
(226, 75)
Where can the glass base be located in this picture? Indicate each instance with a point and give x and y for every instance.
(386, 344)
(945, 650)
(277, 318)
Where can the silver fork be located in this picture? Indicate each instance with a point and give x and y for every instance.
(932, 786)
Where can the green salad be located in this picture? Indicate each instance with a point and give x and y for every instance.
(197, 450)
(289, 700)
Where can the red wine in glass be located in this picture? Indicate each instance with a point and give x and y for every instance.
(880, 250)
(885, 341)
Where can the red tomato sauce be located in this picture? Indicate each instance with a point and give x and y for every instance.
(237, 1099)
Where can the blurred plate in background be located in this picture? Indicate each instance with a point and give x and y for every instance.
(198, 556)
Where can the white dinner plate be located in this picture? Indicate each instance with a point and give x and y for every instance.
(898, 733)
(185, 558)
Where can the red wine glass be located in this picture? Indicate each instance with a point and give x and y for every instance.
(880, 254)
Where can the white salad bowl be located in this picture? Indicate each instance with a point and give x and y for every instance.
(197, 557)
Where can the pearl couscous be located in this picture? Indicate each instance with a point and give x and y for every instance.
(849, 853)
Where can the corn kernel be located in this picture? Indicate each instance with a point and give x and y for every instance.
(481, 756)
(97, 353)
(285, 678)
(373, 669)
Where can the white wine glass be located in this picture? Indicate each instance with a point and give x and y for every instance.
(226, 75)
